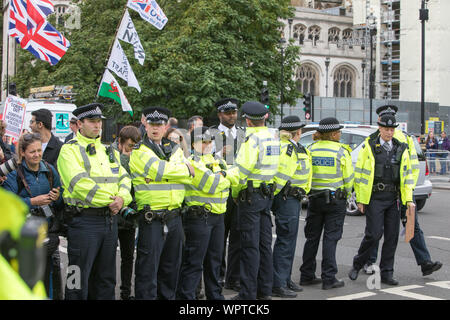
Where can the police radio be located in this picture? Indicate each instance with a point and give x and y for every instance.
(91, 149)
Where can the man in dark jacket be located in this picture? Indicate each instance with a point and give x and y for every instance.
(41, 122)
(444, 147)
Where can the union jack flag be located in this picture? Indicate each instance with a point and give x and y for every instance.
(28, 25)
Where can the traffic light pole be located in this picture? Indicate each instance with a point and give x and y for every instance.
(423, 18)
(312, 108)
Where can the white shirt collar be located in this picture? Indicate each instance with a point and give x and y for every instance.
(233, 130)
(383, 142)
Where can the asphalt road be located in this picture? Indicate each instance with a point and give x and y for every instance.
(435, 223)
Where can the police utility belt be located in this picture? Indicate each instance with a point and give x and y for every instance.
(98, 212)
(199, 211)
(382, 187)
(329, 195)
(163, 216)
(290, 191)
(264, 190)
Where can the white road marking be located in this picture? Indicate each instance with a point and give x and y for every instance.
(402, 291)
(438, 238)
(440, 284)
(360, 295)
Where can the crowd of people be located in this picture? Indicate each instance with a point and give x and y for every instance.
(201, 202)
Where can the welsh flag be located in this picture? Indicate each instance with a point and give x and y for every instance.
(110, 88)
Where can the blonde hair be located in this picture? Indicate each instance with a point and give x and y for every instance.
(287, 135)
(328, 136)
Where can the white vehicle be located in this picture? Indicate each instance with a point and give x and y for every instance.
(62, 112)
(354, 135)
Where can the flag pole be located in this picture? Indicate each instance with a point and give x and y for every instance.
(110, 49)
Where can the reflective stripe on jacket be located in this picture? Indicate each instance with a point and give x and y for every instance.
(365, 172)
(91, 180)
(158, 183)
(257, 158)
(294, 166)
(332, 166)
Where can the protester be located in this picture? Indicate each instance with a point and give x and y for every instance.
(5, 152)
(74, 128)
(176, 136)
(431, 144)
(38, 184)
(444, 147)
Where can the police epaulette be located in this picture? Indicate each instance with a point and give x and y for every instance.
(71, 141)
(137, 145)
(290, 148)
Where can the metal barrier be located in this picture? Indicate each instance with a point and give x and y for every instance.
(438, 162)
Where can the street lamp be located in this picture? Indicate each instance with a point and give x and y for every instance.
(327, 64)
(363, 67)
(423, 18)
(282, 43)
(371, 19)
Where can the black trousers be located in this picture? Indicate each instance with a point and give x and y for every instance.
(127, 245)
(158, 260)
(328, 218)
(91, 248)
(381, 213)
(202, 253)
(230, 268)
(256, 265)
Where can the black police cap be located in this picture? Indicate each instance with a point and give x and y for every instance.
(388, 121)
(227, 104)
(201, 133)
(387, 109)
(156, 114)
(91, 111)
(291, 123)
(254, 110)
(329, 124)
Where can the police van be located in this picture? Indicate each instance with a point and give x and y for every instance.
(61, 111)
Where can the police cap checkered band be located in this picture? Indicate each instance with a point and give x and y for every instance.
(329, 124)
(227, 106)
(330, 127)
(88, 112)
(388, 121)
(254, 117)
(291, 125)
(156, 116)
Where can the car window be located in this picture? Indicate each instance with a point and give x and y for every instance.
(306, 140)
(353, 140)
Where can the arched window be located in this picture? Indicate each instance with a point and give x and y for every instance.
(307, 79)
(299, 32)
(333, 35)
(347, 34)
(314, 34)
(344, 81)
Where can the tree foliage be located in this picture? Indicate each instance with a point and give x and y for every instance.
(208, 50)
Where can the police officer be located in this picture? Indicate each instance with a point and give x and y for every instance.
(159, 172)
(332, 182)
(228, 139)
(383, 172)
(203, 223)
(257, 161)
(96, 188)
(417, 243)
(293, 181)
(21, 266)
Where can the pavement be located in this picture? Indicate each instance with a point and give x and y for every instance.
(440, 181)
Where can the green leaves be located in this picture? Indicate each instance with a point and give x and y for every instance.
(208, 50)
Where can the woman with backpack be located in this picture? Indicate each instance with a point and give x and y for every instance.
(38, 184)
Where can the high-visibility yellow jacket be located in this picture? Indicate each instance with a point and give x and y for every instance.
(159, 182)
(414, 159)
(90, 180)
(332, 167)
(12, 218)
(365, 172)
(209, 188)
(257, 158)
(295, 166)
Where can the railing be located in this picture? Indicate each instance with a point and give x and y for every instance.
(438, 162)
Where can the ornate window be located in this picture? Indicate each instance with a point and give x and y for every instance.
(344, 82)
(307, 79)
(314, 34)
(299, 32)
(333, 35)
